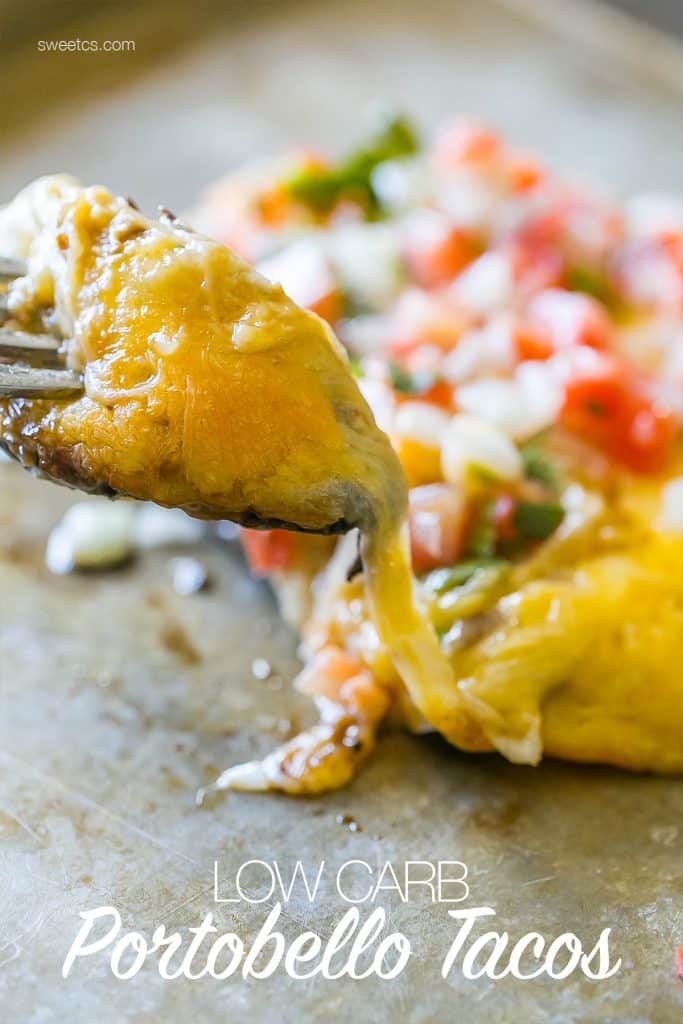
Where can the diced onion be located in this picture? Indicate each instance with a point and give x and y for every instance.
(671, 517)
(399, 184)
(519, 407)
(303, 271)
(470, 201)
(365, 334)
(488, 350)
(381, 401)
(365, 258)
(421, 422)
(426, 316)
(486, 286)
(91, 535)
(471, 443)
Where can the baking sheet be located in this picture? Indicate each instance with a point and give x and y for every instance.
(120, 698)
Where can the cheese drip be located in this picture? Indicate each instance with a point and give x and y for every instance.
(400, 619)
(206, 388)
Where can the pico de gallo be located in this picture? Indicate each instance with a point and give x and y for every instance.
(507, 326)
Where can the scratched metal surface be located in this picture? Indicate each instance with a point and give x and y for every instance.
(119, 698)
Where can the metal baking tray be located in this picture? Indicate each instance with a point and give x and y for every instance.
(120, 698)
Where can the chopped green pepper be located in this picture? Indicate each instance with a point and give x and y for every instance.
(537, 465)
(482, 538)
(537, 519)
(440, 581)
(322, 188)
(408, 383)
(590, 282)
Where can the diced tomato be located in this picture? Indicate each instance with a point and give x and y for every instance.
(594, 227)
(437, 517)
(611, 407)
(429, 385)
(268, 550)
(569, 221)
(504, 517)
(305, 274)
(596, 396)
(523, 171)
(672, 241)
(329, 306)
(307, 158)
(275, 207)
(426, 318)
(440, 393)
(536, 265)
(570, 318)
(546, 226)
(444, 335)
(436, 260)
(464, 142)
(531, 341)
(649, 272)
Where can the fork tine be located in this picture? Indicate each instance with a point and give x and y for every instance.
(28, 382)
(29, 348)
(40, 379)
(11, 268)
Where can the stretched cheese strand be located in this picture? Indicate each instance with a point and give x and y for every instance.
(206, 388)
(327, 755)
(406, 632)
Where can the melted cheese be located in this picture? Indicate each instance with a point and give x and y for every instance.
(206, 388)
(409, 638)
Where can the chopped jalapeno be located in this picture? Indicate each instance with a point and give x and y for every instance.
(321, 188)
(537, 519)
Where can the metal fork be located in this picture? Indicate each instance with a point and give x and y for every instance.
(36, 369)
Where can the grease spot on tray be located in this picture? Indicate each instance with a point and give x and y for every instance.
(175, 639)
(498, 818)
